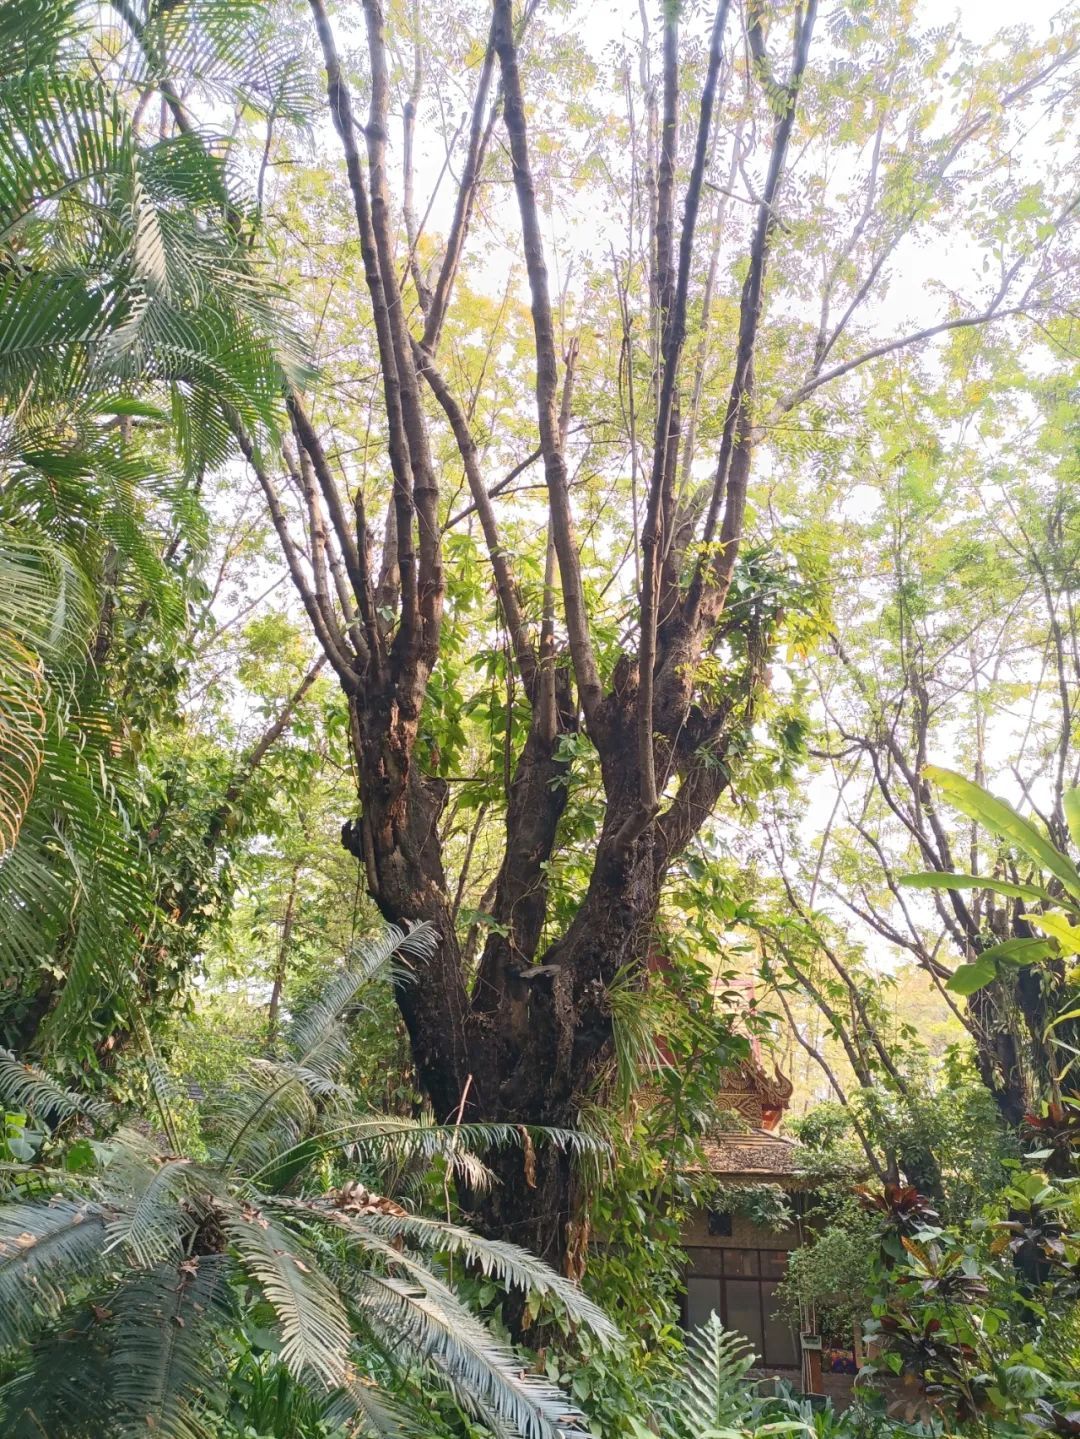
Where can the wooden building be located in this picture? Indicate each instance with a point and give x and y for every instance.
(734, 1265)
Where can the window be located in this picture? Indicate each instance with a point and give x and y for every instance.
(739, 1285)
(719, 1224)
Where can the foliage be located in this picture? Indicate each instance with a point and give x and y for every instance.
(133, 320)
(868, 541)
(136, 1264)
(1036, 962)
(766, 1206)
(673, 1043)
(965, 1308)
(713, 1394)
(948, 1129)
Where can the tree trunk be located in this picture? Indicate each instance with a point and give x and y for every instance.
(282, 961)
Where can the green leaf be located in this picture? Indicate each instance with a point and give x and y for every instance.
(1004, 822)
(945, 880)
(1020, 951)
(1066, 934)
(1070, 803)
(969, 978)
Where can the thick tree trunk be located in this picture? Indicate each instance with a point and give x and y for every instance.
(527, 1042)
(525, 1038)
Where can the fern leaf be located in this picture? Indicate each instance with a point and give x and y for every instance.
(713, 1391)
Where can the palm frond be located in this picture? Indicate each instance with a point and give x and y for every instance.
(166, 1364)
(387, 956)
(487, 1378)
(508, 1263)
(369, 1410)
(45, 623)
(149, 1227)
(31, 32)
(27, 1087)
(314, 1327)
(43, 1249)
(58, 132)
(261, 1116)
(50, 1395)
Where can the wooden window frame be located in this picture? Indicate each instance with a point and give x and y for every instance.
(759, 1278)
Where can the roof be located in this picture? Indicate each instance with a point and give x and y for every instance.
(754, 1157)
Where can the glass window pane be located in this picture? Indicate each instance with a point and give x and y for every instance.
(702, 1298)
(702, 1260)
(774, 1263)
(740, 1261)
(744, 1310)
(781, 1348)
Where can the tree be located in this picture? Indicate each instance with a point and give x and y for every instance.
(131, 315)
(972, 654)
(645, 683)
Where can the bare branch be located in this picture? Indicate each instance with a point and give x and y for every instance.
(888, 347)
(403, 373)
(479, 136)
(733, 465)
(341, 110)
(577, 623)
(673, 299)
(344, 664)
(524, 653)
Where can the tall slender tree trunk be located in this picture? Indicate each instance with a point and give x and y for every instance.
(282, 961)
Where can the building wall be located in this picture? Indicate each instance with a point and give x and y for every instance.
(744, 1235)
(735, 1275)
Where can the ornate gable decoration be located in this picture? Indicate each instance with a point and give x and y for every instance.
(747, 1149)
(756, 1097)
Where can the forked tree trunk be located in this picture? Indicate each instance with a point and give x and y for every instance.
(524, 1037)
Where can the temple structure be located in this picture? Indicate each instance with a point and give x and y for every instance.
(733, 1264)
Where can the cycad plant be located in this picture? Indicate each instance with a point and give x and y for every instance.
(134, 333)
(124, 1265)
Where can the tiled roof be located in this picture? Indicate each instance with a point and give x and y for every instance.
(755, 1155)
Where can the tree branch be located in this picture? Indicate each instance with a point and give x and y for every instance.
(524, 653)
(425, 488)
(341, 111)
(673, 293)
(344, 664)
(733, 465)
(479, 136)
(577, 622)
